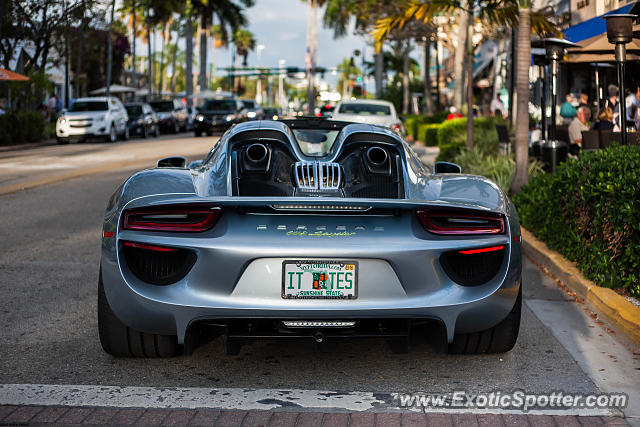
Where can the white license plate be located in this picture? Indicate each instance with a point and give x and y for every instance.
(319, 279)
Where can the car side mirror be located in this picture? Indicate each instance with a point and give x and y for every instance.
(446, 167)
(172, 162)
(195, 164)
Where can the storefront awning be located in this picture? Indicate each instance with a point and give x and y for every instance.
(594, 26)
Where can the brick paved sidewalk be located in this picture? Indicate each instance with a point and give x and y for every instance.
(62, 415)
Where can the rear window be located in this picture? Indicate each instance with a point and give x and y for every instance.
(89, 106)
(162, 106)
(219, 104)
(315, 142)
(365, 109)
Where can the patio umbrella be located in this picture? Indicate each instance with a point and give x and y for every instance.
(593, 57)
(600, 45)
(10, 76)
(113, 89)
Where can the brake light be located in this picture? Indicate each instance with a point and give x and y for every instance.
(171, 218)
(482, 250)
(396, 127)
(454, 222)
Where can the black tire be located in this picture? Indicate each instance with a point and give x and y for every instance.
(125, 134)
(61, 141)
(145, 132)
(111, 136)
(176, 128)
(156, 131)
(198, 134)
(499, 339)
(119, 340)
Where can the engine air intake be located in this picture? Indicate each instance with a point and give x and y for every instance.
(157, 265)
(318, 176)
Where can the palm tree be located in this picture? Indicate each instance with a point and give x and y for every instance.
(346, 70)
(490, 12)
(230, 16)
(244, 42)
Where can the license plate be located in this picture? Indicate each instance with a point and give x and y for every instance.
(319, 279)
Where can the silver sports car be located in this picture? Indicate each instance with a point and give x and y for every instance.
(311, 229)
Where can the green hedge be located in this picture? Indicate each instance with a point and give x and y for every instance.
(589, 211)
(413, 122)
(428, 133)
(21, 127)
(452, 137)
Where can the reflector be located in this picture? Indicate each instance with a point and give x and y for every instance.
(481, 250)
(149, 247)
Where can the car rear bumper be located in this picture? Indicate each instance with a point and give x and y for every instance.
(238, 275)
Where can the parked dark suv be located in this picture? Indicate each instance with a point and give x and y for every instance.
(142, 119)
(218, 115)
(172, 115)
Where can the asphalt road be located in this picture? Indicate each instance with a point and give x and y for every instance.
(49, 256)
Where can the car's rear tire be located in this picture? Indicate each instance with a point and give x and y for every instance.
(61, 141)
(499, 339)
(119, 340)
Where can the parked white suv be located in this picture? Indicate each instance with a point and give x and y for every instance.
(372, 112)
(97, 117)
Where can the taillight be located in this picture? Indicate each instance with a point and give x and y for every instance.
(453, 222)
(397, 127)
(171, 218)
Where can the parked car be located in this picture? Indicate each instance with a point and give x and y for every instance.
(216, 115)
(272, 114)
(172, 115)
(142, 120)
(254, 110)
(373, 112)
(313, 229)
(95, 117)
(327, 110)
(192, 112)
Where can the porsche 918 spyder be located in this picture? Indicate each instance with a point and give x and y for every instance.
(313, 229)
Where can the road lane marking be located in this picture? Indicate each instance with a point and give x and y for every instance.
(231, 398)
(73, 174)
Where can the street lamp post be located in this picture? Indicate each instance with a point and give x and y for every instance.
(620, 32)
(541, 62)
(554, 49)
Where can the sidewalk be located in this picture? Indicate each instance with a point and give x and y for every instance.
(60, 415)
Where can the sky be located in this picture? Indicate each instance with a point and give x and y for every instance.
(281, 26)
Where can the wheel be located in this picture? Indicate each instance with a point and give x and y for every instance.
(61, 141)
(198, 133)
(209, 133)
(111, 136)
(119, 340)
(156, 132)
(176, 128)
(499, 339)
(125, 134)
(145, 132)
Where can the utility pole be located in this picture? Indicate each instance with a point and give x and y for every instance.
(110, 48)
(66, 57)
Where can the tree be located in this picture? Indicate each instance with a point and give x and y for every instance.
(493, 13)
(244, 42)
(346, 72)
(230, 17)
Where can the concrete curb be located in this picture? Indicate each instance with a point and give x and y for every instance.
(619, 313)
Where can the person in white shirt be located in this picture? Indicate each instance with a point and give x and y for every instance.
(578, 125)
(632, 104)
(497, 107)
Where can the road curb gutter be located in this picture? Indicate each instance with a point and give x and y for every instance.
(614, 309)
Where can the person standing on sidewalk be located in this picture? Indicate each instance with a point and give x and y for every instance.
(633, 105)
(567, 110)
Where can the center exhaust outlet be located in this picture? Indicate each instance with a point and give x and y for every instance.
(257, 153)
(377, 156)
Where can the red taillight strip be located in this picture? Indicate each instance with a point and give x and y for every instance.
(149, 247)
(107, 234)
(211, 216)
(481, 250)
(426, 218)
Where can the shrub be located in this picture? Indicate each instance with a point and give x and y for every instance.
(21, 127)
(498, 168)
(452, 136)
(588, 211)
(413, 122)
(428, 133)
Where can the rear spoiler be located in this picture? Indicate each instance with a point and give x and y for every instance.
(308, 204)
